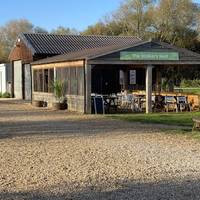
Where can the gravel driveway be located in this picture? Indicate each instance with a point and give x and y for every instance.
(59, 155)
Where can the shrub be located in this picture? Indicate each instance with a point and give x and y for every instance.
(190, 83)
(58, 87)
(6, 95)
(1, 94)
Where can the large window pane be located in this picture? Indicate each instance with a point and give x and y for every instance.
(35, 82)
(46, 81)
(80, 75)
(43, 80)
(51, 80)
(73, 81)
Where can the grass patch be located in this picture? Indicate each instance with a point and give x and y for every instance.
(179, 119)
(190, 90)
(184, 120)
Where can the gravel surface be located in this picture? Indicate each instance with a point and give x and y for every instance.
(59, 155)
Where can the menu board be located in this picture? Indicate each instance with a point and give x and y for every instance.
(132, 77)
(121, 77)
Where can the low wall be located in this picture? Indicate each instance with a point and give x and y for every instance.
(74, 102)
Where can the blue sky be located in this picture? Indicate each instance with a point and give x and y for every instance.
(50, 14)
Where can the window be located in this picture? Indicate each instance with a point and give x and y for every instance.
(46, 80)
(50, 80)
(43, 80)
(80, 74)
(73, 79)
(35, 80)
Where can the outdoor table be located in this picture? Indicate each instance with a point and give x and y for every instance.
(110, 102)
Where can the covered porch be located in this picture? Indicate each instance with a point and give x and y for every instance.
(144, 81)
(116, 80)
(138, 68)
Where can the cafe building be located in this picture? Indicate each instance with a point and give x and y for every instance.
(108, 70)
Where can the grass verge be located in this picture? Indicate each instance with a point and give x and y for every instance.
(179, 119)
(184, 120)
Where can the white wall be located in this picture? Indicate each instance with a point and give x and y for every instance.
(2, 78)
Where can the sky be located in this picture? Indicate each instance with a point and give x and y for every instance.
(49, 14)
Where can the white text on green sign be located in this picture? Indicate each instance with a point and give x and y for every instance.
(127, 55)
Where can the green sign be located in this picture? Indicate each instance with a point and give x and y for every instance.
(139, 55)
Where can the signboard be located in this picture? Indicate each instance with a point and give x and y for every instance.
(139, 55)
(121, 77)
(132, 77)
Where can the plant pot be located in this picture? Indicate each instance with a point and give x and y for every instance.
(59, 106)
(37, 103)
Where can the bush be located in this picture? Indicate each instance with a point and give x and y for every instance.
(190, 83)
(6, 95)
(1, 94)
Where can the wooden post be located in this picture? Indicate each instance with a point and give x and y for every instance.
(88, 109)
(32, 83)
(149, 89)
(12, 83)
(54, 74)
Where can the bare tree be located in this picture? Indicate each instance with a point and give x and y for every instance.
(175, 21)
(9, 33)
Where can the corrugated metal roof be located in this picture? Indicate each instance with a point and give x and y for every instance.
(85, 53)
(52, 44)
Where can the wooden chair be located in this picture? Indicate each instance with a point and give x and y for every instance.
(196, 124)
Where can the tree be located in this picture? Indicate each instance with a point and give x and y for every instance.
(9, 33)
(98, 29)
(134, 17)
(64, 31)
(38, 29)
(175, 21)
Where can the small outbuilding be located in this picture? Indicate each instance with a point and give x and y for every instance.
(108, 69)
(5, 78)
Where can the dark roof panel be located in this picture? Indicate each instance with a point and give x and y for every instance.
(84, 53)
(59, 44)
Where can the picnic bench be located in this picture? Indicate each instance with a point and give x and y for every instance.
(196, 124)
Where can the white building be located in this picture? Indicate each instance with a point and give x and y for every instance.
(5, 78)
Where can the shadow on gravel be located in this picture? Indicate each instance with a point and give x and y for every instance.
(23, 120)
(68, 128)
(187, 190)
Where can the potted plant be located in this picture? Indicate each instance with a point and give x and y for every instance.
(60, 103)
